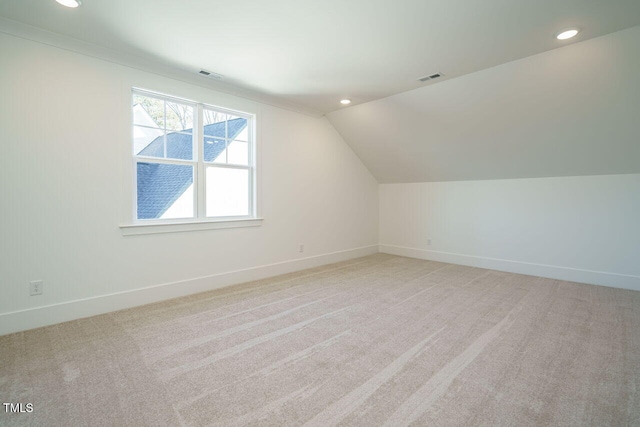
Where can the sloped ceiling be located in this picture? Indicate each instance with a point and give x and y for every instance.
(566, 112)
(313, 53)
(551, 111)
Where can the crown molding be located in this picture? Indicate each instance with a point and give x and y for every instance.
(147, 64)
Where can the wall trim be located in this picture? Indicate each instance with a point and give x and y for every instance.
(36, 317)
(613, 280)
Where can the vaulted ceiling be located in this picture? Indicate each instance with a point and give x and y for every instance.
(313, 53)
(568, 112)
(513, 101)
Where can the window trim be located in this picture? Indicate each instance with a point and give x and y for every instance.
(200, 221)
(175, 227)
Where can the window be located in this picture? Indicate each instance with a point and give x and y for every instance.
(193, 162)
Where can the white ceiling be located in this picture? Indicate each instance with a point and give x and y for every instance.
(313, 53)
(572, 111)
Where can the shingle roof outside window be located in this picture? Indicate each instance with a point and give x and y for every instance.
(160, 185)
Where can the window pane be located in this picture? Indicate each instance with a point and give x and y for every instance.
(148, 141)
(227, 192)
(214, 150)
(180, 145)
(243, 135)
(237, 128)
(238, 153)
(174, 145)
(164, 191)
(214, 123)
(179, 116)
(148, 111)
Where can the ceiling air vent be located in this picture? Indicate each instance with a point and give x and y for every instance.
(210, 74)
(431, 77)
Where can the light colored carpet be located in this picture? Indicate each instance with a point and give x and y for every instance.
(380, 340)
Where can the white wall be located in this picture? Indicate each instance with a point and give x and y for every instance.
(65, 184)
(585, 229)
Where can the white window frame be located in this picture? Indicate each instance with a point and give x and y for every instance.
(200, 221)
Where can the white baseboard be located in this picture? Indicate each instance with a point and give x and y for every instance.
(601, 278)
(56, 313)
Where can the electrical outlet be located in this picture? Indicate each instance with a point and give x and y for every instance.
(36, 287)
(301, 248)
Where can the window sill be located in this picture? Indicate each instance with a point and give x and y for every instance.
(180, 227)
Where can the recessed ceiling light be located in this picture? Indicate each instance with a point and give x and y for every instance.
(345, 101)
(567, 34)
(69, 3)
